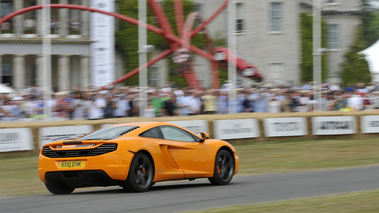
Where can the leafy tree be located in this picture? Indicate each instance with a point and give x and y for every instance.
(127, 36)
(306, 30)
(370, 20)
(355, 67)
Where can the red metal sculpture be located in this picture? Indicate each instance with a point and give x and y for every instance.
(180, 46)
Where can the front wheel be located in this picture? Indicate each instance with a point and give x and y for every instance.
(141, 174)
(59, 188)
(223, 168)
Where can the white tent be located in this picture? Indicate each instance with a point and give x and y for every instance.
(372, 57)
(5, 89)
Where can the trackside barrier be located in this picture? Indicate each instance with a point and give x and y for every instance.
(241, 127)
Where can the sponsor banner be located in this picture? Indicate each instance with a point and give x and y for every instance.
(289, 126)
(195, 126)
(237, 128)
(103, 52)
(51, 134)
(334, 125)
(16, 139)
(370, 124)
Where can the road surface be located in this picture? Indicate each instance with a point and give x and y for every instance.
(182, 196)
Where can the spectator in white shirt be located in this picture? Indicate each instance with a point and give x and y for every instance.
(95, 106)
(355, 102)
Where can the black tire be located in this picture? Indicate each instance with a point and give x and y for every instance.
(223, 168)
(141, 174)
(59, 188)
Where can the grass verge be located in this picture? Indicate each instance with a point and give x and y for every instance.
(358, 202)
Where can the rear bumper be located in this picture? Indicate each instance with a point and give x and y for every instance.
(78, 179)
(114, 165)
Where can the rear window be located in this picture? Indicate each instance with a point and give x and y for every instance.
(108, 133)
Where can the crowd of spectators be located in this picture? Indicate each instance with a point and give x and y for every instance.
(171, 101)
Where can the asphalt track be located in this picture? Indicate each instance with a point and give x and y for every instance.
(199, 194)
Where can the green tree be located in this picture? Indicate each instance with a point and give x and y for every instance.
(127, 36)
(370, 20)
(355, 67)
(306, 31)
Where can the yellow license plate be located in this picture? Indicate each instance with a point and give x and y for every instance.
(71, 164)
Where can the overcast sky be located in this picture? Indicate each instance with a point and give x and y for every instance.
(375, 3)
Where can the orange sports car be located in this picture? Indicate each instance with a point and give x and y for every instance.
(135, 156)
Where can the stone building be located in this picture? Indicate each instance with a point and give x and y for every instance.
(21, 46)
(268, 33)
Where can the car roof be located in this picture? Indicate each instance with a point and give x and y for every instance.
(144, 124)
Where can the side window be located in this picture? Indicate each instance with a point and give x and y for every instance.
(176, 134)
(151, 133)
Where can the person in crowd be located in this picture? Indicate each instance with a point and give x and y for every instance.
(110, 106)
(367, 101)
(131, 103)
(240, 96)
(169, 106)
(295, 103)
(222, 102)
(94, 106)
(77, 107)
(170, 101)
(210, 102)
(338, 101)
(273, 105)
(156, 98)
(183, 103)
(122, 106)
(259, 101)
(304, 102)
(62, 106)
(149, 111)
(286, 102)
(195, 103)
(11, 110)
(355, 102)
(15, 108)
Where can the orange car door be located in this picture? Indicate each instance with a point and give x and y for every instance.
(189, 154)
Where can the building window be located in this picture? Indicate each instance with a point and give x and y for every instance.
(331, 1)
(198, 8)
(154, 76)
(332, 36)
(276, 16)
(277, 72)
(240, 25)
(6, 7)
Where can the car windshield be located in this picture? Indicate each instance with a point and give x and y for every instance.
(108, 133)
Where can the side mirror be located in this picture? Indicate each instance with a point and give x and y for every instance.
(204, 136)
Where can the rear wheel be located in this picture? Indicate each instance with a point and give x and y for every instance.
(59, 188)
(141, 174)
(223, 168)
